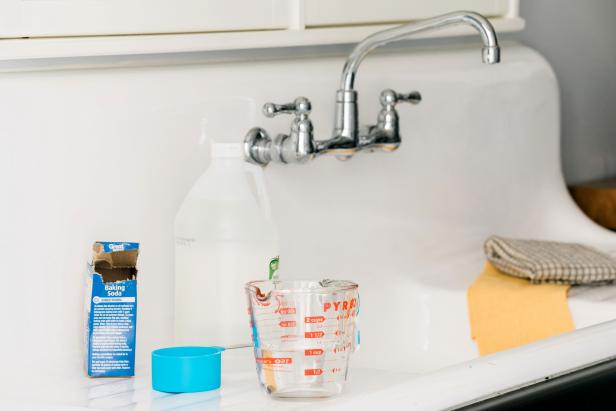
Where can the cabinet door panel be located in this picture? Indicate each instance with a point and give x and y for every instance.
(340, 12)
(35, 18)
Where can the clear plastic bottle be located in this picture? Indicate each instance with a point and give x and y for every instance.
(224, 238)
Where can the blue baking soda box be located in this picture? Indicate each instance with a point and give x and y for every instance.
(111, 309)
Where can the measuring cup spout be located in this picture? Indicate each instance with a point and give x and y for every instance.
(259, 295)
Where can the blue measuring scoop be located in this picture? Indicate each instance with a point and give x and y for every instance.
(187, 369)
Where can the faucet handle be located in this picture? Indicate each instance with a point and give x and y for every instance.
(389, 98)
(386, 133)
(300, 107)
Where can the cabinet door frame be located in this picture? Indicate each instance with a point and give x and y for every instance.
(64, 18)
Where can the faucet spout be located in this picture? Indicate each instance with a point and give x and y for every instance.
(490, 51)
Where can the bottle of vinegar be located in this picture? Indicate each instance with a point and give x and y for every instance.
(224, 238)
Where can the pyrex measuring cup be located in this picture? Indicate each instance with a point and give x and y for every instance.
(303, 334)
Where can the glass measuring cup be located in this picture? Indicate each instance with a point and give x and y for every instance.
(303, 334)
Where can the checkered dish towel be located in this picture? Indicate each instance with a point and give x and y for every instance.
(550, 262)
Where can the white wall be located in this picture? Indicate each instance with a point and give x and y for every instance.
(579, 39)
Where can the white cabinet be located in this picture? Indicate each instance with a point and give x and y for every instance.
(345, 12)
(59, 18)
(34, 29)
(53, 18)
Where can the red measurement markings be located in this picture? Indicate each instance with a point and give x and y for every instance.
(287, 310)
(287, 323)
(335, 370)
(314, 334)
(313, 371)
(288, 337)
(314, 320)
(342, 348)
(313, 351)
(273, 361)
(345, 316)
(265, 303)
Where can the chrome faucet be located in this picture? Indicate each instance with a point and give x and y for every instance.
(300, 146)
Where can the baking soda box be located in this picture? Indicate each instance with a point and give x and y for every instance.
(111, 309)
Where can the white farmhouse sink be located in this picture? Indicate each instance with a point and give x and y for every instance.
(109, 153)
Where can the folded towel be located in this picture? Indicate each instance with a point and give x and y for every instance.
(506, 312)
(551, 262)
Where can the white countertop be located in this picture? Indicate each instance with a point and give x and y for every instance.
(239, 391)
(366, 389)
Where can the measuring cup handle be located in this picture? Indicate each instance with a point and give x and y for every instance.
(357, 336)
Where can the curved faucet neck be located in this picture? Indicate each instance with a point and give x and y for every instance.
(490, 53)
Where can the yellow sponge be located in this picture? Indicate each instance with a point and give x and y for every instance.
(506, 312)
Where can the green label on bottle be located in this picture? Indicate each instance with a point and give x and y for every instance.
(273, 267)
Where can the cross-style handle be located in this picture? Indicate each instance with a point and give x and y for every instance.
(300, 107)
(389, 98)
